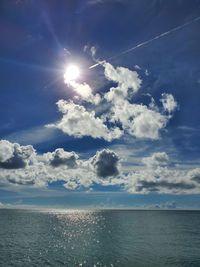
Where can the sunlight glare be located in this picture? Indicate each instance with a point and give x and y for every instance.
(72, 72)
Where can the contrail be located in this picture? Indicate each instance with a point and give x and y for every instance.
(147, 42)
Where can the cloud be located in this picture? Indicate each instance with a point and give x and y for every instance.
(105, 163)
(104, 168)
(6, 150)
(62, 157)
(31, 175)
(160, 180)
(79, 122)
(137, 120)
(21, 165)
(39, 170)
(125, 116)
(140, 121)
(169, 205)
(60, 165)
(71, 185)
(195, 175)
(125, 78)
(147, 124)
(85, 92)
(14, 156)
(168, 102)
(159, 185)
(157, 176)
(93, 51)
(156, 159)
(34, 135)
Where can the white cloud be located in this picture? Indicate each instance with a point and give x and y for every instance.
(126, 79)
(157, 176)
(85, 92)
(6, 150)
(61, 165)
(160, 180)
(85, 48)
(106, 163)
(139, 120)
(62, 157)
(93, 51)
(156, 159)
(34, 135)
(194, 175)
(20, 165)
(137, 67)
(146, 72)
(148, 124)
(103, 168)
(31, 175)
(14, 156)
(79, 122)
(169, 103)
(71, 185)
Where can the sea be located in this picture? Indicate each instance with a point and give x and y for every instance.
(93, 238)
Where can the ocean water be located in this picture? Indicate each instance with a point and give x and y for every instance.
(121, 238)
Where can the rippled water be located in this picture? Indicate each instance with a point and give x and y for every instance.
(99, 238)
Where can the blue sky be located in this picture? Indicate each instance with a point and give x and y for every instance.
(122, 134)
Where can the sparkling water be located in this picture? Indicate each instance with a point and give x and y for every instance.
(122, 238)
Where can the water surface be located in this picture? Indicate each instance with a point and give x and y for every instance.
(120, 238)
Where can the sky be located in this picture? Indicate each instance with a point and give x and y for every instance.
(122, 134)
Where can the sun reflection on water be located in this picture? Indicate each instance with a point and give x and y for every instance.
(79, 232)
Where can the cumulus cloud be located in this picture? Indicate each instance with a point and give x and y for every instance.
(156, 159)
(59, 165)
(71, 185)
(168, 102)
(62, 157)
(105, 163)
(194, 175)
(85, 92)
(31, 175)
(21, 165)
(6, 150)
(155, 175)
(14, 156)
(139, 120)
(147, 124)
(125, 78)
(79, 122)
(160, 180)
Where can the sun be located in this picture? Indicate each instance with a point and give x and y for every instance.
(72, 72)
